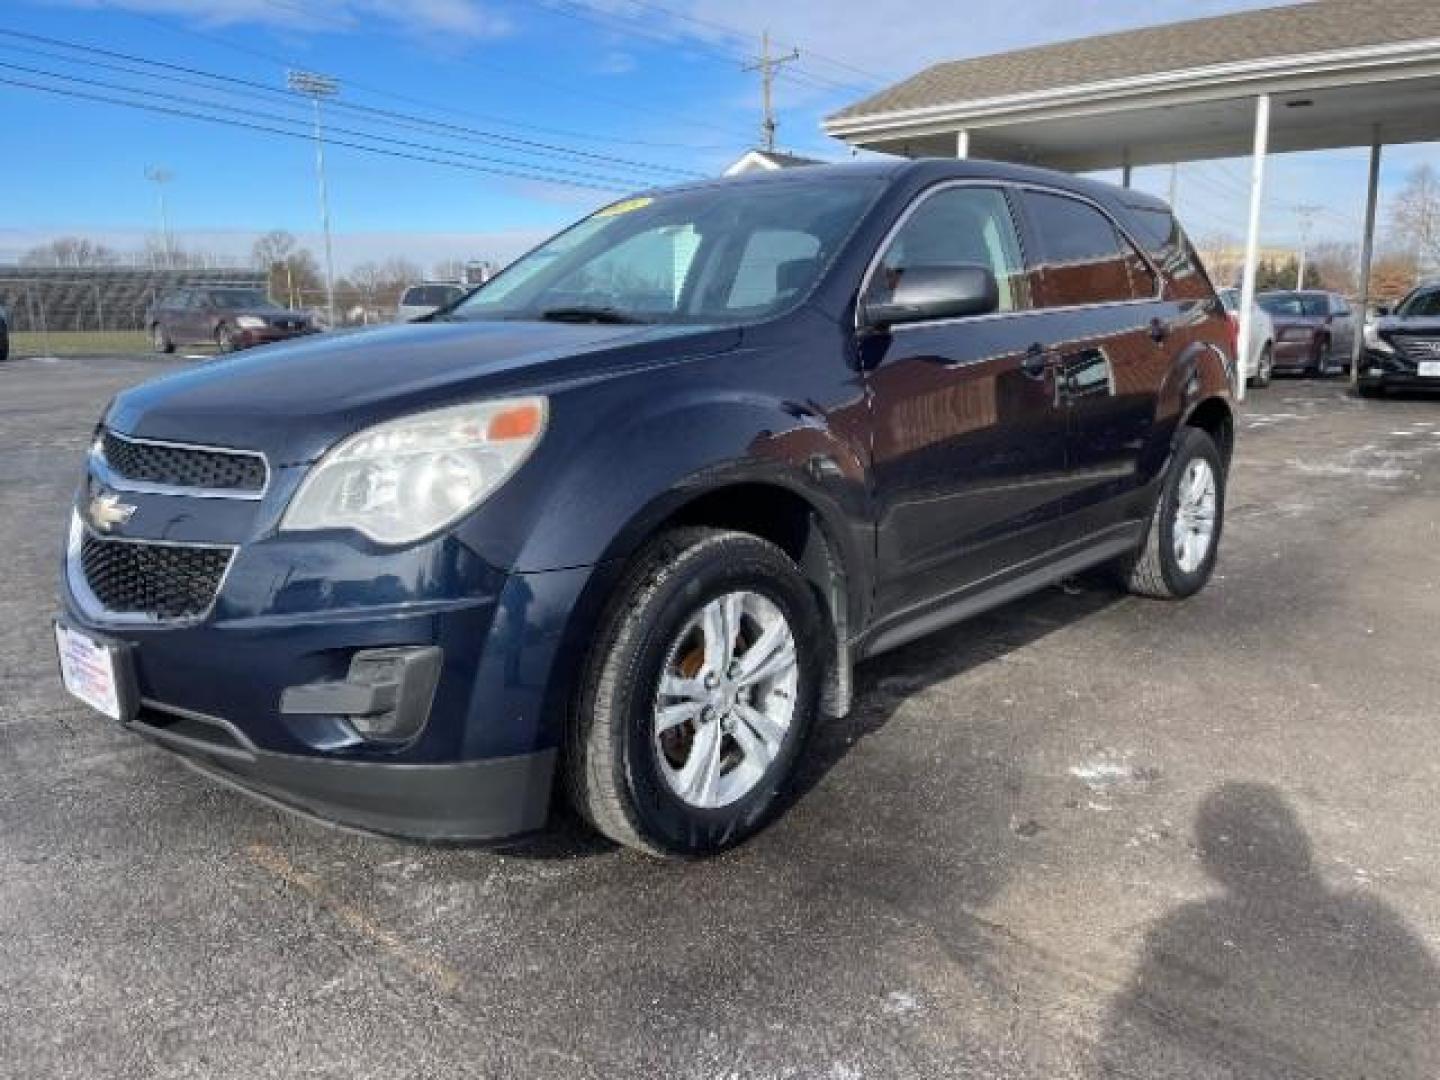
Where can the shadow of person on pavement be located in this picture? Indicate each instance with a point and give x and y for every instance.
(1278, 976)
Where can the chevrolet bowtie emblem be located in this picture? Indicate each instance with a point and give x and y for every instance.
(106, 511)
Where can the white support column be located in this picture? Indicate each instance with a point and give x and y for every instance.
(962, 143)
(1367, 252)
(1252, 238)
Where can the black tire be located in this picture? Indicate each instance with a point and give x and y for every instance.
(160, 340)
(1370, 390)
(224, 338)
(4, 343)
(612, 767)
(1154, 570)
(1264, 368)
(1320, 360)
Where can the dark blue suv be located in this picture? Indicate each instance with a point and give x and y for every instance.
(620, 523)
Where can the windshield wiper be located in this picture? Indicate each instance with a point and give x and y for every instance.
(582, 314)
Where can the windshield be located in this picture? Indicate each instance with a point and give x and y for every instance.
(724, 253)
(1295, 305)
(1230, 298)
(1421, 304)
(240, 298)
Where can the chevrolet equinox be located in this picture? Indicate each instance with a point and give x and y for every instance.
(621, 522)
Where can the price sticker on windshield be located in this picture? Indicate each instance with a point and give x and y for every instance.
(625, 206)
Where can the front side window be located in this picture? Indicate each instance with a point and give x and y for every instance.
(1085, 260)
(1289, 305)
(727, 252)
(953, 227)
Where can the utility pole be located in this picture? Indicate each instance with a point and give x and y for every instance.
(160, 176)
(316, 87)
(1174, 184)
(1306, 213)
(767, 65)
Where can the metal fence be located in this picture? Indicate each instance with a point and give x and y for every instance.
(43, 300)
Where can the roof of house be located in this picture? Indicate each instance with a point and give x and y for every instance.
(1269, 33)
(769, 159)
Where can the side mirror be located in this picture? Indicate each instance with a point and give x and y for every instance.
(936, 292)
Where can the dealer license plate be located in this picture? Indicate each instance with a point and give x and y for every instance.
(90, 671)
(1430, 368)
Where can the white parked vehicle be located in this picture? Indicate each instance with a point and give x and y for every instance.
(429, 296)
(1261, 361)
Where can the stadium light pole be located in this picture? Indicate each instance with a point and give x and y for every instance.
(160, 176)
(317, 87)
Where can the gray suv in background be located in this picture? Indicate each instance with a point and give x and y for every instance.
(229, 318)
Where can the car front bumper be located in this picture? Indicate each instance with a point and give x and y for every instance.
(1384, 371)
(220, 694)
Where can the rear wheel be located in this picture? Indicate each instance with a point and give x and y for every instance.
(698, 696)
(1181, 544)
(1370, 390)
(160, 339)
(1320, 360)
(1264, 369)
(225, 340)
(4, 343)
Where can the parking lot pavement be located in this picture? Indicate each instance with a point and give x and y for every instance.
(1086, 836)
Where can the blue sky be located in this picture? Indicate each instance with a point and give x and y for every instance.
(657, 83)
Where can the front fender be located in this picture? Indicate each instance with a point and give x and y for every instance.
(661, 455)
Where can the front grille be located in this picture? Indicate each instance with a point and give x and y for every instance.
(183, 466)
(166, 581)
(1416, 349)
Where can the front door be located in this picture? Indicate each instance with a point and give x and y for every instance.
(968, 441)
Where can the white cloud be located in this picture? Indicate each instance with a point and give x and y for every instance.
(441, 19)
(615, 63)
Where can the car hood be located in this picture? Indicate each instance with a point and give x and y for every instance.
(1391, 324)
(294, 401)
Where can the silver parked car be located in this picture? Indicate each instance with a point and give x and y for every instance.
(1261, 360)
(426, 298)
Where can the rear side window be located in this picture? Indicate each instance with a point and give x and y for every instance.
(957, 226)
(1084, 259)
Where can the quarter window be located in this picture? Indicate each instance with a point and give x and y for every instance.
(1084, 259)
(957, 226)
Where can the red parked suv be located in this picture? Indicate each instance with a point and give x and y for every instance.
(228, 318)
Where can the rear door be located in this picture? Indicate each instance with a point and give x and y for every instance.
(1100, 307)
(968, 441)
(1342, 330)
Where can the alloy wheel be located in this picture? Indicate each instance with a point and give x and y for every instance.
(1194, 526)
(726, 699)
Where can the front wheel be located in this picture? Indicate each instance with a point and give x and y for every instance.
(161, 340)
(1183, 539)
(4, 343)
(225, 340)
(1320, 361)
(698, 697)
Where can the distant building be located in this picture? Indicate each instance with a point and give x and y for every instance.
(768, 161)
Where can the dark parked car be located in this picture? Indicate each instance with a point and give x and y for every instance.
(626, 517)
(1314, 331)
(1402, 346)
(228, 318)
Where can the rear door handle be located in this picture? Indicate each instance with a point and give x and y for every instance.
(1037, 360)
(1159, 331)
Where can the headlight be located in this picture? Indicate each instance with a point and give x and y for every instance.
(1375, 342)
(405, 479)
(249, 322)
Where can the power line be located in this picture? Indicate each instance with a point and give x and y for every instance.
(226, 42)
(513, 142)
(249, 126)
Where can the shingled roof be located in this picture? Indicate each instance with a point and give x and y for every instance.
(1269, 33)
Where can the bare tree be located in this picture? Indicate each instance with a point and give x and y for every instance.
(273, 247)
(70, 251)
(1334, 265)
(1415, 216)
